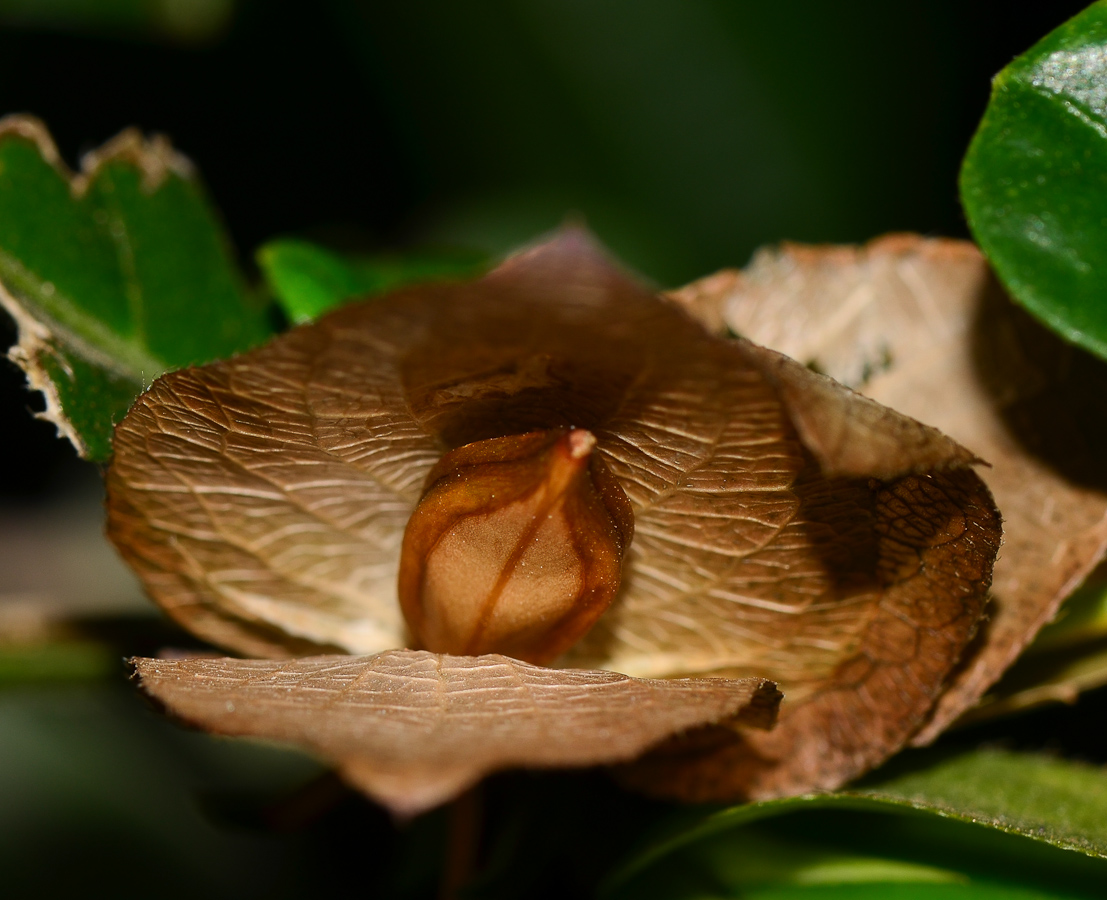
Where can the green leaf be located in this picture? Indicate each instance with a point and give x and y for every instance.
(755, 862)
(56, 661)
(1082, 618)
(308, 280)
(1034, 181)
(894, 891)
(1057, 676)
(1068, 656)
(793, 860)
(1050, 801)
(1046, 799)
(848, 854)
(113, 275)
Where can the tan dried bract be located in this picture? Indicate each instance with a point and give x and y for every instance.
(923, 326)
(414, 729)
(784, 527)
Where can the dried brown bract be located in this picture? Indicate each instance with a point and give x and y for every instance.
(784, 527)
(413, 729)
(923, 326)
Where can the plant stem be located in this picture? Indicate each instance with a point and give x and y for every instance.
(462, 843)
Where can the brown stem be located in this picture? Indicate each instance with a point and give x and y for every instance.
(462, 843)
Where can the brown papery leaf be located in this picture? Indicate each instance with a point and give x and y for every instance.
(413, 729)
(923, 326)
(784, 527)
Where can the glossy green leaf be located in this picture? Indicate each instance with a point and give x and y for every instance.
(1051, 801)
(113, 276)
(1034, 181)
(751, 862)
(308, 280)
(893, 891)
(836, 856)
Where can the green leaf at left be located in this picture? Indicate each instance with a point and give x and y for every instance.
(113, 275)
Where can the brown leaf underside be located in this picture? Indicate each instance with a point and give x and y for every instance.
(922, 326)
(413, 729)
(265, 497)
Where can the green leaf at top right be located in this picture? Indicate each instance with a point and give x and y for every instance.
(1034, 181)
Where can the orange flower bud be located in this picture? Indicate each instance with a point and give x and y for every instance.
(516, 546)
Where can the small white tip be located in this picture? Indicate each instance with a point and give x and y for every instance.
(581, 443)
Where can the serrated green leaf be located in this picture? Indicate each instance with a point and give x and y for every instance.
(1046, 799)
(308, 280)
(113, 276)
(1051, 801)
(1034, 181)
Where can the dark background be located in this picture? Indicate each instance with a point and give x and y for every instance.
(687, 132)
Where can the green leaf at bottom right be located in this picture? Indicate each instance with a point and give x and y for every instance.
(984, 824)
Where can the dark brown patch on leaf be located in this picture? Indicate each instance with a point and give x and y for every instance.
(923, 326)
(937, 536)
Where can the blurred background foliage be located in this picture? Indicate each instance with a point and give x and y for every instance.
(685, 132)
